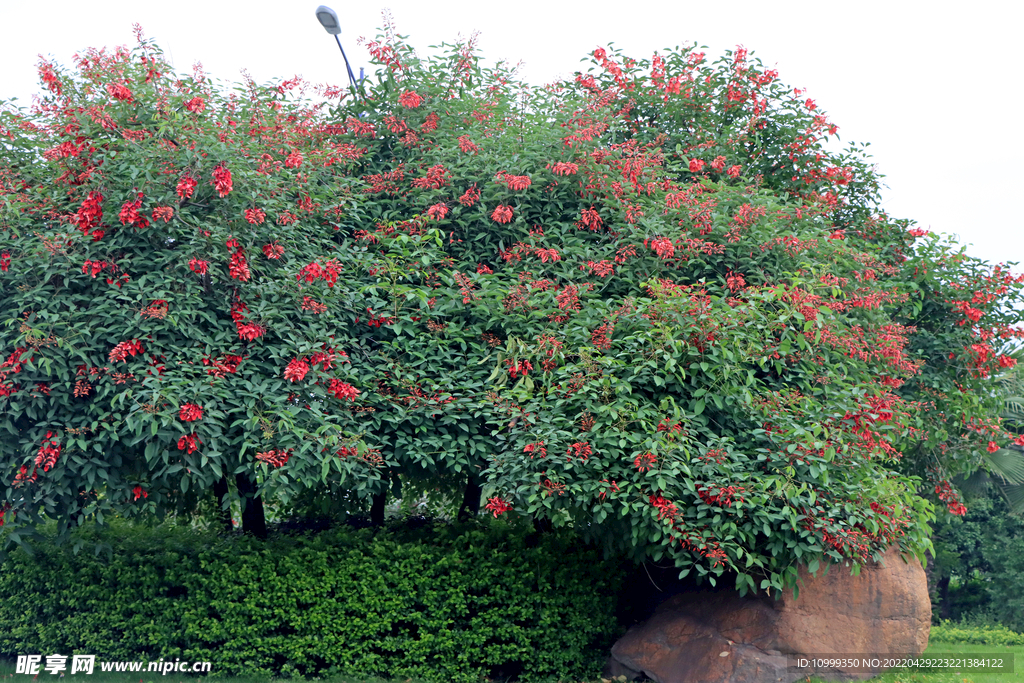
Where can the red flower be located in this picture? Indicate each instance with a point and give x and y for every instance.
(293, 160)
(438, 211)
(130, 213)
(565, 168)
(273, 250)
(466, 145)
(275, 458)
(644, 462)
(470, 196)
(517, 182)
(139, 493)
(502, 214)
(5, 261)
(718, 164)
(343, 390)
(993, 447)
(119, 92)
(663, 247)
(483, 269)
(196, 105)
(186, 186)
(255, 216)
(296, 370)
(198, 265)
(733, 172)
(410, 99)
(497, 506)
(222, 180)
(164, 213)
(187, 443)
(124, 349)
(190, 412)
(696, 165)
(734, 282)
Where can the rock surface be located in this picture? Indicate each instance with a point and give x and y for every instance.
(719, 637)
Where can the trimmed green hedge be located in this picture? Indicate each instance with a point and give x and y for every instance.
(947, 632)
(452, 605)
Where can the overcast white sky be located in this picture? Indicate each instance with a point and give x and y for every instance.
(925, 83)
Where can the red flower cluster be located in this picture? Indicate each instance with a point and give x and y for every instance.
(187, 443)
(722, 496)
(517, 182)
(579, 450)
(342, 390)
(222, 181)
(502, 214)
(255, 216)
(537, 448)
(328, 272)
(273, 250)
(948, 496)
(196, 105)
(470, 196)
(186, 186)
(90, 215)
(293, 160)
(238, 267)
(229, 365)
(497, 506)
(644, 462)
(48, 453)
(139, 493)
(564, 168)
(466, 145)
(275, 457)
(198, 265)
(130, 213)
(438, 211)
(410, 99)
(190, 412)
(164, 213)
(124, 349)
(516, 367)
(308, 304)
(296, 370)
(119, 92)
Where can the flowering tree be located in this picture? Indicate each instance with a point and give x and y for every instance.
(646, 302)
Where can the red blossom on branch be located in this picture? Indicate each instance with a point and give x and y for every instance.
(222, 180)
(190, 412)
(296, 370)
(502, 214)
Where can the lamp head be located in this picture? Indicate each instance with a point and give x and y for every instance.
(328, 18)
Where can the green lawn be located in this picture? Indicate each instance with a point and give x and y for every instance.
(7, 674)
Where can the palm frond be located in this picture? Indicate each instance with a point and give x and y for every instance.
(1007, 464)
(1014, 496)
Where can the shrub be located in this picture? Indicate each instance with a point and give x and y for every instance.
(451, 604)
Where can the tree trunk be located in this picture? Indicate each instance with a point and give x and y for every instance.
(942, 589)
(470, 499)
(253, 520)
(220, 493)
(377, 509)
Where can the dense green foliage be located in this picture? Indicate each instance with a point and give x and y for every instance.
(647, 303)
(440, 604)
(979, 565)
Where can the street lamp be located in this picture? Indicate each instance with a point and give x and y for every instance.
(328, 18)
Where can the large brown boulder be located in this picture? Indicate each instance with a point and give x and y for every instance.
(719, 637)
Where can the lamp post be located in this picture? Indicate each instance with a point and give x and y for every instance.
(328, 18)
